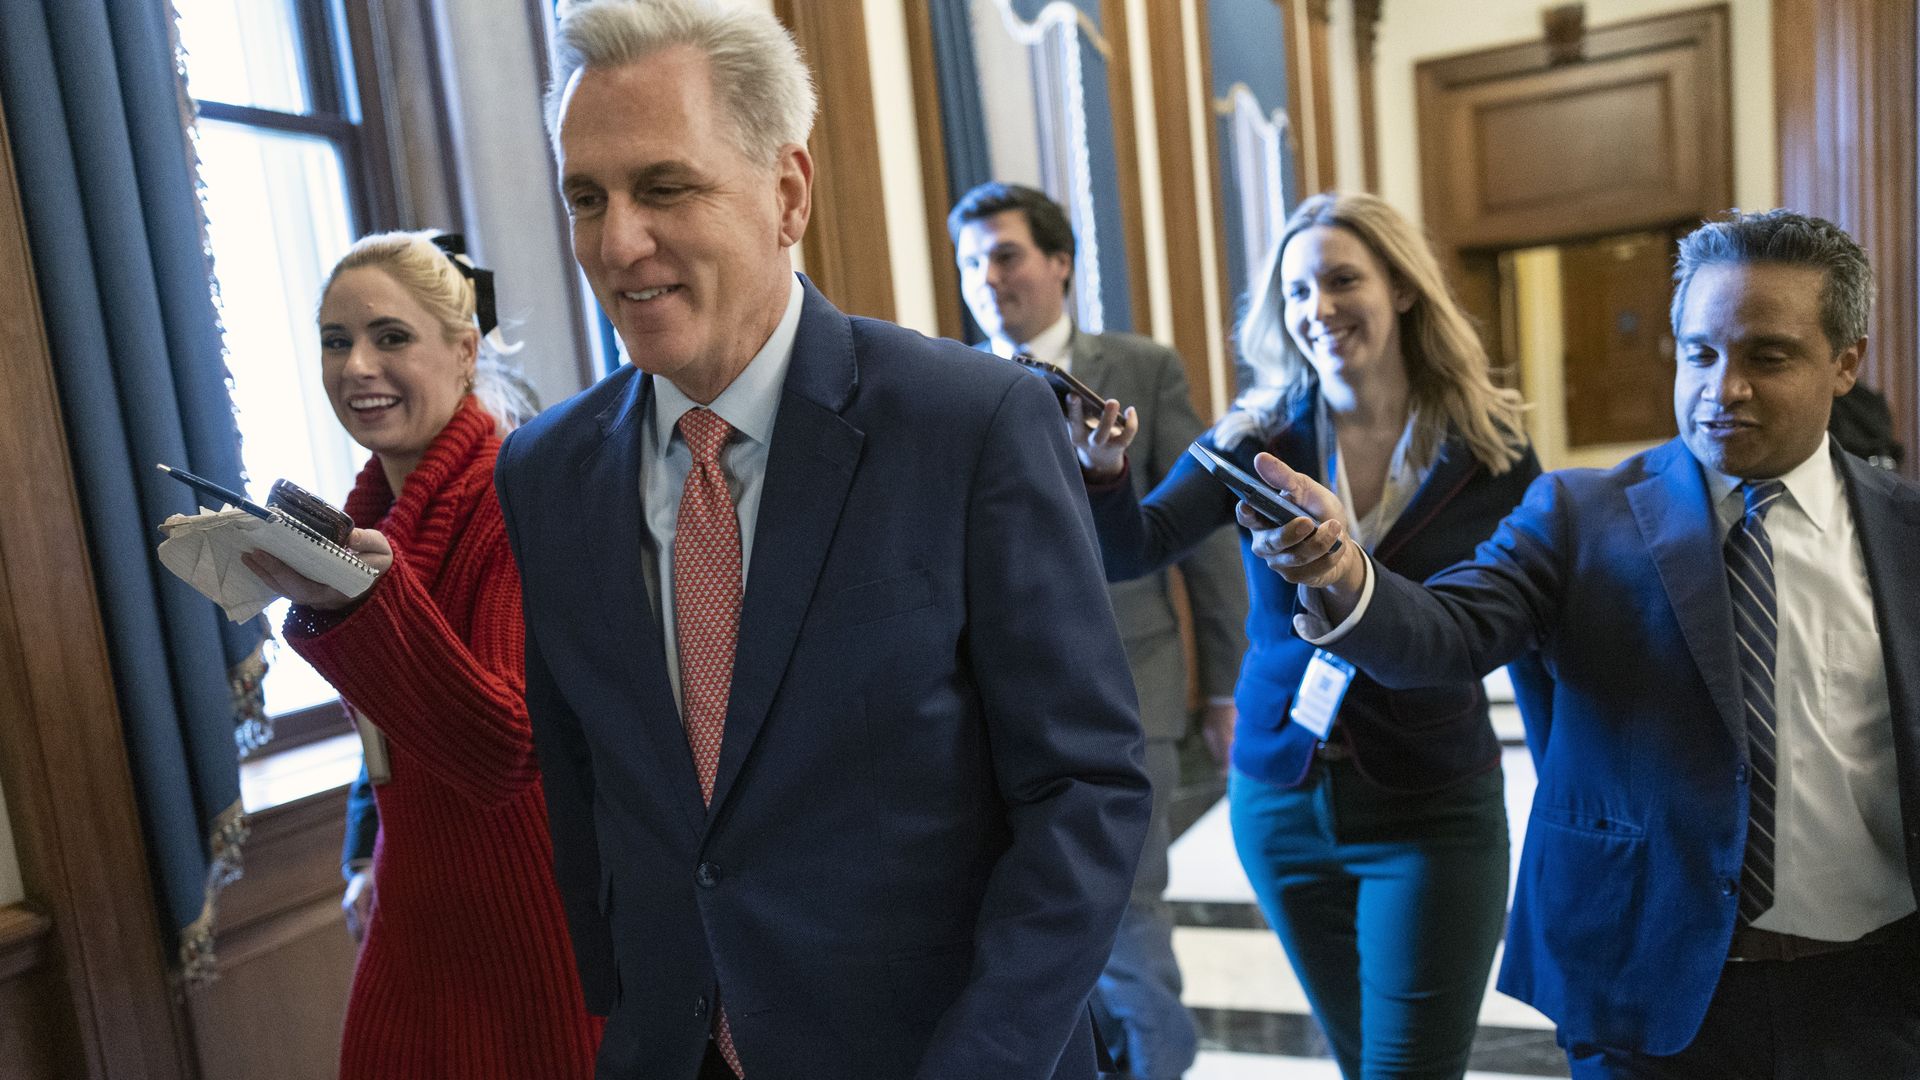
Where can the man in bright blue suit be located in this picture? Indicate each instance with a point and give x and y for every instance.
(839, 745)
(1723, 859)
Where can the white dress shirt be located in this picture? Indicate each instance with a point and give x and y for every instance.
(1049, 344)
(1404, 477)
(750, 403)
(1840, 867)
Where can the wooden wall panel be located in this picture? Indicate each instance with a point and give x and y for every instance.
(1618, 360)
(36, 1037)
(1845, 86)
(1229, 295)
(937, 199)
(1310, 93)
(1649, 99)
(286, 963)
(1366, 25)
(845, 245)
(1126, 151)
(1179, 197)
(63, 760)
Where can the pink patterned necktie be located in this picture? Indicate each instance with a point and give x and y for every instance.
(706, 611)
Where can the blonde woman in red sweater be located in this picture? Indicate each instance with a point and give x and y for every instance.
(465, 971)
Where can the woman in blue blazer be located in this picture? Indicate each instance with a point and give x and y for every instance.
(1373, 830)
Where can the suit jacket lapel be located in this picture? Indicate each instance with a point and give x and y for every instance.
(615, 544)
(1674, 511)
(1297, 444)
(810, 468)
(1453, 466)
(1088, 362)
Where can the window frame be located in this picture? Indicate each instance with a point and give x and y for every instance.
(324, 27)
(341, 63)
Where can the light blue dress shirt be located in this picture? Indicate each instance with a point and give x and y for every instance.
(750, 404)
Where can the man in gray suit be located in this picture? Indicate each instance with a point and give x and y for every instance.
(1015, 250)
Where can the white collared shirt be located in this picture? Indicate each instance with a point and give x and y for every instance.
(1050, 344)
(1840, 867)
(1404, 477)
(750, 404)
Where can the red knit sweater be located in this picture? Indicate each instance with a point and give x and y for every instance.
(466, 971)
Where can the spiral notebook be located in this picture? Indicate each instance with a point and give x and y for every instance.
(204, 550)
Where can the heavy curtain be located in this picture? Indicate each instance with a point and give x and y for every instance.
(96, 113)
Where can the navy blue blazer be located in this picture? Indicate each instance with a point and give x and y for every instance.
(1628, 882)
(1414, 739)
(930, 798)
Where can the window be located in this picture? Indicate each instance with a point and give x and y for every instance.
(1033, 92)
(1256, 149)
(292, 170)
(1256, 172)
(1037, 125)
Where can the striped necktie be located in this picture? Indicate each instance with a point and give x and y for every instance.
(1750, 580)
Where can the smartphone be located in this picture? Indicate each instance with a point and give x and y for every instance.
(310, 511)
(1266, 501)
(1066, 387)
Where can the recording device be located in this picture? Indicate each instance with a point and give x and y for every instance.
(1066, 388)
(1266, 501)
(310, 512)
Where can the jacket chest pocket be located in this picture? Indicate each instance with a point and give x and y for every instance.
(872, 601)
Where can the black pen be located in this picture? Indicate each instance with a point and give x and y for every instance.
(208, 487)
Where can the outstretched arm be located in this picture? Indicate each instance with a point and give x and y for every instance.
(1460, 624)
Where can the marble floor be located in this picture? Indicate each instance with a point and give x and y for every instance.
(1252, 1015)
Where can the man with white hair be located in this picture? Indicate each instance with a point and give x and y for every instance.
(841, 758)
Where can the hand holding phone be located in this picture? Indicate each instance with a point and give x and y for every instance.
(1267, 501)
(1068, 389)
(1318, 558)
(1101, 430)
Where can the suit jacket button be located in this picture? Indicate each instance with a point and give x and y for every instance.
(700, 1008)
(708, 875)
(1740, 774)
(1728, 887)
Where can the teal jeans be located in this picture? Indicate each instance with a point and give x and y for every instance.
(1389, 906)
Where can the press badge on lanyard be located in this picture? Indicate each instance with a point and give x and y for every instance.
(1321, 690)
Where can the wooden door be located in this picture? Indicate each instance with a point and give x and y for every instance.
(1614, 298)
(1525, 145)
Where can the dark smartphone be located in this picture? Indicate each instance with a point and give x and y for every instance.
(1266, 501)
(311, 511)
(1066, 387)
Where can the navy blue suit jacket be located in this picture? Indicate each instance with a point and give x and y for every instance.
(1627, 891)
(929, 801)
(1414, 739)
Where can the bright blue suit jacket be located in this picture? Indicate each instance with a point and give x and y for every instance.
(1627, 891)
(930, 798)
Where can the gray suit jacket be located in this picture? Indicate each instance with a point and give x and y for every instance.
(1143, 373)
